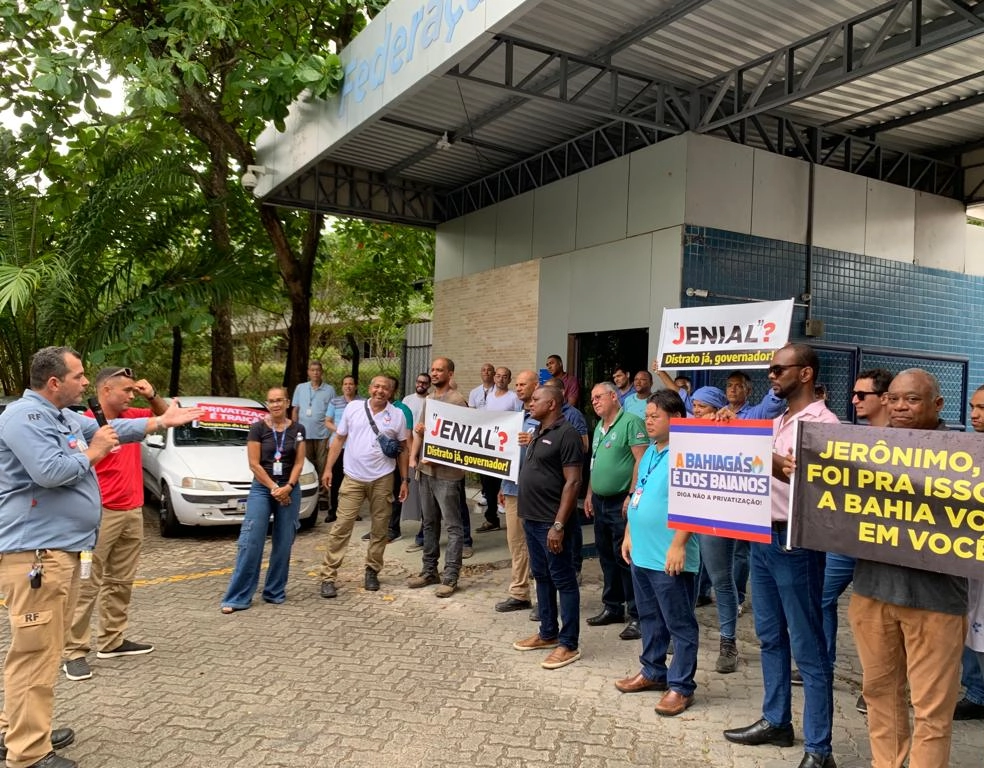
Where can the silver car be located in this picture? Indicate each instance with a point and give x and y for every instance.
(200, 471)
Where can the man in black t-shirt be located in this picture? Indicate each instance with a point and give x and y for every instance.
(548, 484)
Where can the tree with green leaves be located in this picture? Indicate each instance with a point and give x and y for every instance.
(214, 73)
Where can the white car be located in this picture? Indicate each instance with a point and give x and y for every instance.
(200, 471)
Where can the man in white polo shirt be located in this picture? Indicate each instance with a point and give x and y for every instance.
(368, 475)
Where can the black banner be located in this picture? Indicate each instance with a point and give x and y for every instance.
(904, 496)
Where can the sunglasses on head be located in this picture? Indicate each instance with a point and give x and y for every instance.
(128, 372)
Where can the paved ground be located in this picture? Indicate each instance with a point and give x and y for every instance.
(401, 679)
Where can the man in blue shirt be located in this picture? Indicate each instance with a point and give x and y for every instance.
(737, 390)
(311, 402)
(49, 513)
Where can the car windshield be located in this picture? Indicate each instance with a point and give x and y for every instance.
(195, 435)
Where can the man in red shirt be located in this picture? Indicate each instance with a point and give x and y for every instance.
(114, 559)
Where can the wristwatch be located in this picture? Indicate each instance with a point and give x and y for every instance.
(558, 526)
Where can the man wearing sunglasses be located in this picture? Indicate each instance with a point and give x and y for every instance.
(870, 400)
(114, 559)
(49, 513)
(787, 585)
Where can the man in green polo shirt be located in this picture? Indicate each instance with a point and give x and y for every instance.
(619, 442)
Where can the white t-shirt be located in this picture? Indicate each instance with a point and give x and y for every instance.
(416, 405)
(364, 459)
(508, 402)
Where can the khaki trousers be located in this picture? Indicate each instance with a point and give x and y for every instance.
(895, 644)
(350, 497)
(114, 567)
(519, 587)
(317, 454)
(38, 619)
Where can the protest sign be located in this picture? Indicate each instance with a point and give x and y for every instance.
(720, 475)
(904, 496)
(228, 416)
(726, 336)
(468, 438)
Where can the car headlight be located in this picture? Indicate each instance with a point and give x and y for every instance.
(198, 484)
(307, 478)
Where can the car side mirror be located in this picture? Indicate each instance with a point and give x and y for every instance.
(154, 441)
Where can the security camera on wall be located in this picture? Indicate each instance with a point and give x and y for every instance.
(252, 176)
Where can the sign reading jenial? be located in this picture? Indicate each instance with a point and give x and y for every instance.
(726, 336)
(477, 440)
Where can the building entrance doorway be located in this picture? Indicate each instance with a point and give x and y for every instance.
(599, 352)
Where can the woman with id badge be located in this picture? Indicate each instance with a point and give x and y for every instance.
(275, 448)
(664, 571)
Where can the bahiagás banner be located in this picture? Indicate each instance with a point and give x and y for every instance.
(908, 497)
(724, 336)
(473, 439)
(720, 478)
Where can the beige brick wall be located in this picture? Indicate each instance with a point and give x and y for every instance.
(488, 317)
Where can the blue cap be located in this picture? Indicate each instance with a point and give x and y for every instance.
(711, 396)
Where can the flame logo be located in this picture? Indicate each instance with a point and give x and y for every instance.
(758, 466)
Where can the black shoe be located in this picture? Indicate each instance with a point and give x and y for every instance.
(703, 600)
(631, 631)
(367, 535)
(331, 517)
(51, 760)
(861, 705)
(813, 760)
(607, 616)
(795, 678)
(512, 604)
(372, 580)
(968, 710)
(328, 589)
(761, 732)
(126, 648)
(60, 738)
(535, 613)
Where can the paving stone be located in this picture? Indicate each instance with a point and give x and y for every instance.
(401, 679)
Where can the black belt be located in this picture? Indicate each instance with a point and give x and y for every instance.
(621, 495)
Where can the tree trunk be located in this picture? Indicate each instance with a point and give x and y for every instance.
(297, 273)
(177, 347)
(223, 377)
(356, 355)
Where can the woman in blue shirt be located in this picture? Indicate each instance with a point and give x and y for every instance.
(664, 571)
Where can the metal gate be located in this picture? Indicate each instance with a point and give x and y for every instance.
(416, 357)
(841, 364)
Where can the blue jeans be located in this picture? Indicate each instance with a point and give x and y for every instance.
(786, 592)
(717, 554)
(465, 523)
(666, 610)
(246, 575)
(609, 526)
(555, 576)
(440, 500)
(971, 678)
(742, 549)
(704, 583)
(837, 574)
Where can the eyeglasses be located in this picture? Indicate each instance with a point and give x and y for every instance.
(861, 394)
(779, 370)
(596, 398)
(128, 372)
